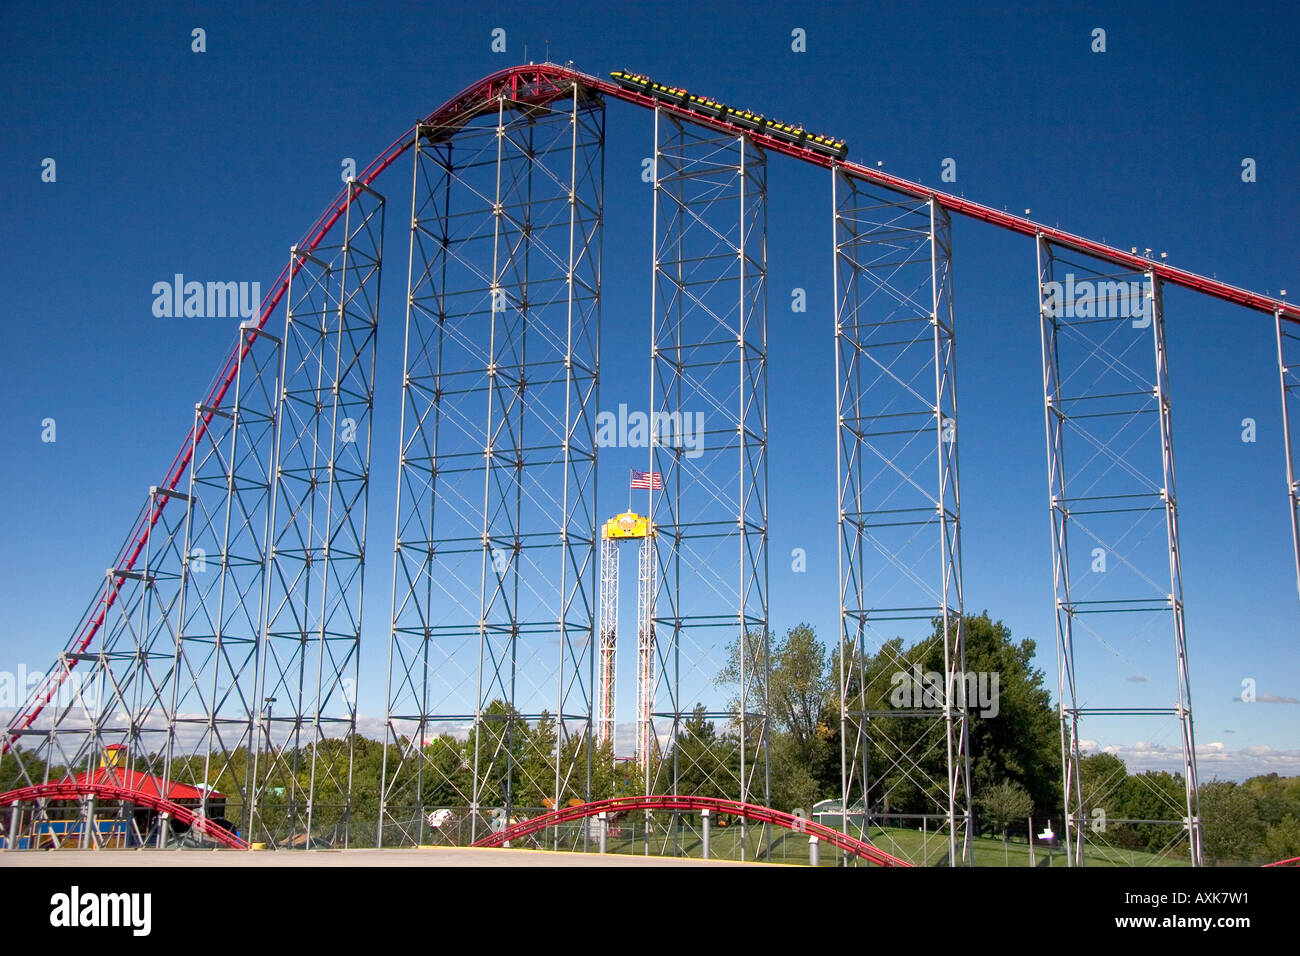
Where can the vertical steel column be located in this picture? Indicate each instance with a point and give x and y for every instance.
(1066, 692)
(318, 527)
(495, 577)
(1183, 713)
(1289, 376)
(1114, 519)
(708, 438)
(899, 513)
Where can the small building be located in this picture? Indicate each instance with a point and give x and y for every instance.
(117, 822)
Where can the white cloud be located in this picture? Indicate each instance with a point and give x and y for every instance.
(1213, 759)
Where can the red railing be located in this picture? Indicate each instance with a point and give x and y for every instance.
(841, 841)
(67, 790)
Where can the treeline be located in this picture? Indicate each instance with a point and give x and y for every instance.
(505, 761)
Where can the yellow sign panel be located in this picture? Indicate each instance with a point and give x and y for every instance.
(627, 525)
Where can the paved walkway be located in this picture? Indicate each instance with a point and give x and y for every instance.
(424, 856)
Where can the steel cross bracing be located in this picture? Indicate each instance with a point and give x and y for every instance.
(1288, 364)
(303, 708)
(1114, 518)
(709, 374)
(899, 517)
(129, 697)
(490, 699)
(219, 616)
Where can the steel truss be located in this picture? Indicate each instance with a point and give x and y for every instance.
(111, 693)
(247, 588)
(1115, 550)
(220, 610)
(709, 375)
(304, 711)
(1288, 363)
(899, 515)
(491, 660)
(159, 684)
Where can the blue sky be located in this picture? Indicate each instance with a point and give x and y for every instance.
(212, 164)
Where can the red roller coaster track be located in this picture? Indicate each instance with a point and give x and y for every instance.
(541, 84)
(841, 841)
(67, 790)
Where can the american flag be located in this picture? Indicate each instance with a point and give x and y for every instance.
(648, 480)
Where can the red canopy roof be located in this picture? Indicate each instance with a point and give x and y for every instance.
(143, 783)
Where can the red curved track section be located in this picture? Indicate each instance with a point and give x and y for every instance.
(1294, 861)
(841, 841)
(68, 790)
(538, 85)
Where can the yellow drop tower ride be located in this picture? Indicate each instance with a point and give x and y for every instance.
(624, 527)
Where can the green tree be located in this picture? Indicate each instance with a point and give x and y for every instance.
(1018, 736)
(1282, 841)
(1014, 735)
(1005, 803)
(1153, 795)
(799, 689)
(1233, 832)
(497, 744)
(21, 769)
(701, 757)
(1101, 787)
(1279, 797)
(797, 695)
(538, 768)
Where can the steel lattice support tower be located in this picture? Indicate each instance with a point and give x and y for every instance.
(220, 613)
(899, 514)
(491, 661)
(1288, 364)
(117, 695)
(1115, 550)
(305, 702)
(709, 361)
(126, 693)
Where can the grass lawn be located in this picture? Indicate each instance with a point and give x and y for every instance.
(787, 847)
